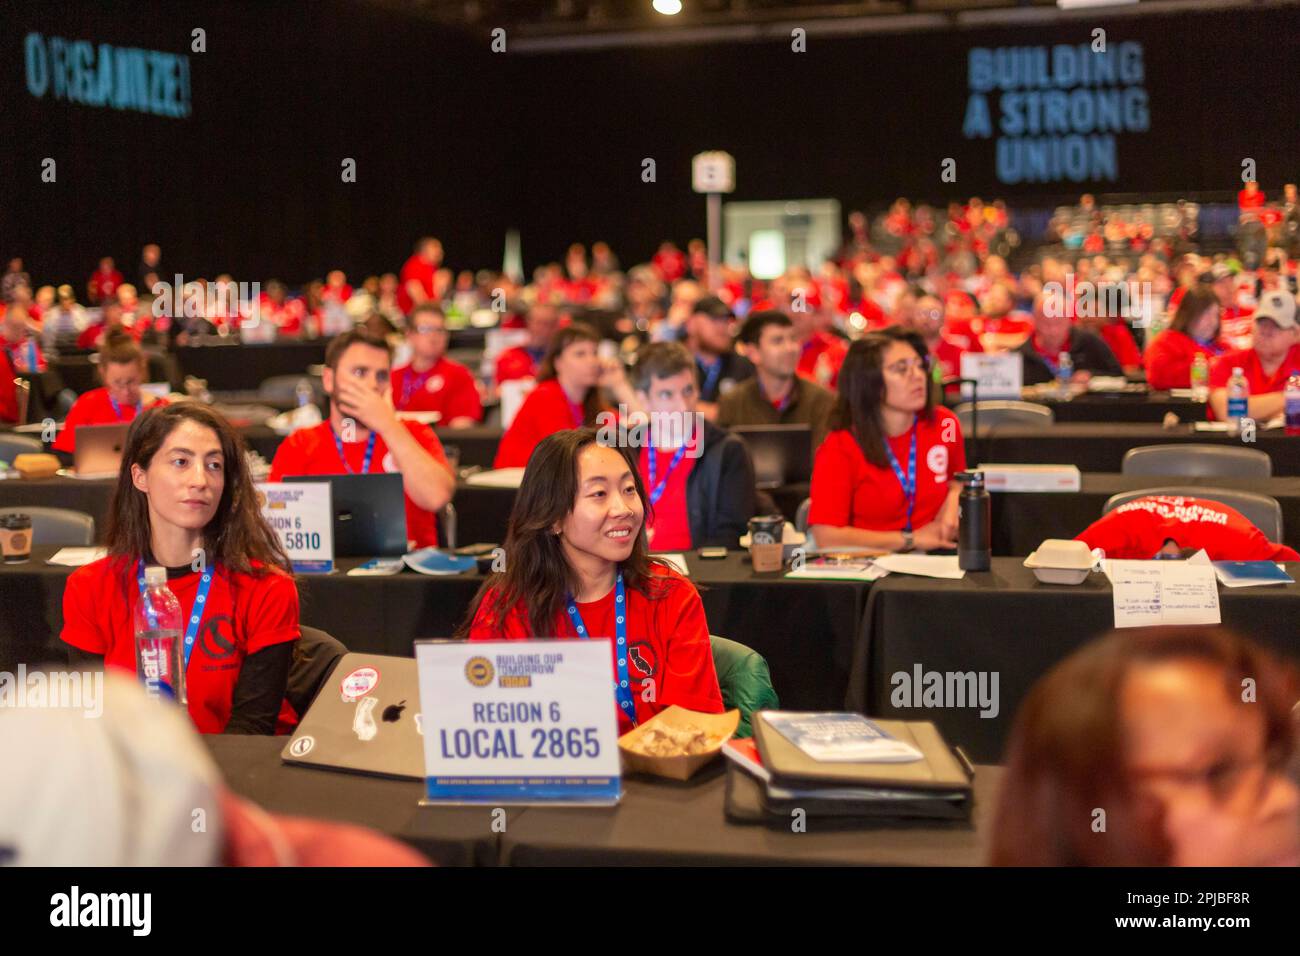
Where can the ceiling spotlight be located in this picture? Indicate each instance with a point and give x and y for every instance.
(667, 7)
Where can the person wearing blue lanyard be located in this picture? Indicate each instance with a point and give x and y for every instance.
(185, 502)
(122, 369)
(576, 566)
(884, 476)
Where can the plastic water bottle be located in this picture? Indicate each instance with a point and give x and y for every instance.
(1200, 378)
(302, 391)
(159, 662)
(1238, 400)
(1064, 372)
(1293, 403)
(974, 523)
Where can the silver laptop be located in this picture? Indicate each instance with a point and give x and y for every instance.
(365, 719)
(98, 450)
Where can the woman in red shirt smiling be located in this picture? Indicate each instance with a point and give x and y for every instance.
(185, 500)
(568, 393)
(576, 566)
(883, 478)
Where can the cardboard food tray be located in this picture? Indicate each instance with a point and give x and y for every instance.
(686, 766)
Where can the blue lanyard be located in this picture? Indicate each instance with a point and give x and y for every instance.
(365, 464)
(117, 410)
(909, 481)
(196, 615)
(411, 384)
(621, 687)
(33, 362)
(657, 490)
(712, 372)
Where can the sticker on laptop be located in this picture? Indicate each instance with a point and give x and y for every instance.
(302, 746)
(359, 683)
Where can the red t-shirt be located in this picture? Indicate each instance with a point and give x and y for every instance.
(515, 363)
(243, 614)
(670, 527)
(1248, 200)
(547, 409)
(447, 387)
(1121, 342)
(822, 356)
(21, 354)
(8, 390)
(104, 284)
(1137, 530)
(422, 272)
(1248, 361)
(948, 353)
(312, 451)
(670, 658)
(1237, 327)
(95, 408)
(1169, 359)
(850, 492)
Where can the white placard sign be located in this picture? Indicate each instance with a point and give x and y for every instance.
(519, 721)
(713, 172)
(1164, 592)
(999, 376)
(302, 515)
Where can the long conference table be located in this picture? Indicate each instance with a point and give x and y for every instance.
(657, 822)
(805, 629)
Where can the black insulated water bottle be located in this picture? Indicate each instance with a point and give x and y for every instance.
(974, 523)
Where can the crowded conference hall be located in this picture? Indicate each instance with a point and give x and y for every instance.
(562, 478)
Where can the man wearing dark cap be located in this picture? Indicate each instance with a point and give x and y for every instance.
(709, 337)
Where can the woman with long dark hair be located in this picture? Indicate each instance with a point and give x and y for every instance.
(1154, 747)
(1193, 331)
(568, 393)
(184, 500)
(576, 565)
(883, 478)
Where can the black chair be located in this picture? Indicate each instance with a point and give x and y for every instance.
(1197, 461)
(57, 526)
(314, 658)
(12, 445)
(1262, 511)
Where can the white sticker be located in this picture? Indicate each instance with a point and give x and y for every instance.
(302, 746)
(435, 384)
(359, 683)
(390, 466)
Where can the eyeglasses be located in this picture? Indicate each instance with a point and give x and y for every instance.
(931, 313)
(1226, 780)
(901, 368)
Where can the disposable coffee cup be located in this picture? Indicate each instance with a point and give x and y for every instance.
(765, 547)
(16, 538)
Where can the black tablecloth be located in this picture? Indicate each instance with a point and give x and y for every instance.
(229, 366)
(805, 629)
(1004, 622)
(657, 822)
(1101, 447)
(450, 836)
(1023, 519)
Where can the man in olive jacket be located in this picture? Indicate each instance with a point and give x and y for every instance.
(700, 480)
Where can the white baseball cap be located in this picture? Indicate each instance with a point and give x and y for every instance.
(1278, 306)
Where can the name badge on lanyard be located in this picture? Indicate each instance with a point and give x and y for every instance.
(622, 688)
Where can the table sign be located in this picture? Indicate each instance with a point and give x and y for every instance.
(302, 515)
(519, 722)
(999, 376)
(1164, 592)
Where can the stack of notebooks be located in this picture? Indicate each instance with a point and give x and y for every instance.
(845, 765)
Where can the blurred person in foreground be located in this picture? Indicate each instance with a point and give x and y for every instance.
(1180, 736)
(123, 790)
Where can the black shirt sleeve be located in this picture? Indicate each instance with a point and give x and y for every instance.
(1095, 356)
(260, 690)
(735, 500)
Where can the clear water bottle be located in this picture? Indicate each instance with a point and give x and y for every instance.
(1064, 372)
(1238, 400)
(1293, 403)
(302, 392)
(1200, 378)
(159, 661)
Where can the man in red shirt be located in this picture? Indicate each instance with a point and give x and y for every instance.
(103, 282)
(432, 382)
(122, 369)
(363, 435)
(927, 319)
(1000, 328)
(699, 478)
(522, 361)
(18, 341)
(1266, 366)
(417, 275)
(1165, 526)
(1236, 325)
